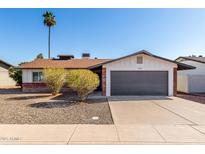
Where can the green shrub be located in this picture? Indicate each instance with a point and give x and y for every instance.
(39, 56)
(54, 78)
(83, 82)
(16, 75)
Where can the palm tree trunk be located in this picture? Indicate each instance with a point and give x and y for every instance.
(49, 41)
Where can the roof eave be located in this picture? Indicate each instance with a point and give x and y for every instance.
(187, 58)
(182, 66)
(6, 63)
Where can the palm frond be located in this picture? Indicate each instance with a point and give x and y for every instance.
(49, 19)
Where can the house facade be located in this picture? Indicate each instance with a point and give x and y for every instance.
(5, 80)
(141, 73)
(32, 72)
(192, 81)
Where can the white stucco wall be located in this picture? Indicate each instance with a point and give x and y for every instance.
(27, 75)
(196, 83)
(149, 64)
(195, 78)
(182, 83)
(200, 68)
(5, 80)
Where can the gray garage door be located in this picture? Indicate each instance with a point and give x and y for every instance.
(139, 83)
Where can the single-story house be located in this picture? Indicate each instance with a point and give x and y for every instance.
(141, 73)
(5, 80)
(192, 81)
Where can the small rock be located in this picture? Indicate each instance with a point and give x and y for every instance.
(95, 118)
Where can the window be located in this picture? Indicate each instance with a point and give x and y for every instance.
(37, 76)
(139, 60)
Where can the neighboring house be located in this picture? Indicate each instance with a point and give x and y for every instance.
(5, 80)
(192, 81)
(141, 73)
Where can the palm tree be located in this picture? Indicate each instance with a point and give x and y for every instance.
(49, 21)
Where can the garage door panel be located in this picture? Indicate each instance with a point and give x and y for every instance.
(139, 83)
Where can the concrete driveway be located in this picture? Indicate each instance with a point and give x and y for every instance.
(156, 110)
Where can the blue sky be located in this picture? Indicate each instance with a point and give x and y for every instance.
(105, 33)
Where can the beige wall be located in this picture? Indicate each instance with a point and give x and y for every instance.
(5, 80)
(192, 81)
(182, 83)
(149, 64)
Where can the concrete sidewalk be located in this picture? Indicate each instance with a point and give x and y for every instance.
(102, 134)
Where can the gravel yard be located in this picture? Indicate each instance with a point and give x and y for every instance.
(24, 108)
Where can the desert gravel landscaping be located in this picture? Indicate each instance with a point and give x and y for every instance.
(26, 108)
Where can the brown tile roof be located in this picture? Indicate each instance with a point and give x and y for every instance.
(73, 63)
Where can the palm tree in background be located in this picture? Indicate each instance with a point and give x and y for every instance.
(49, 21)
